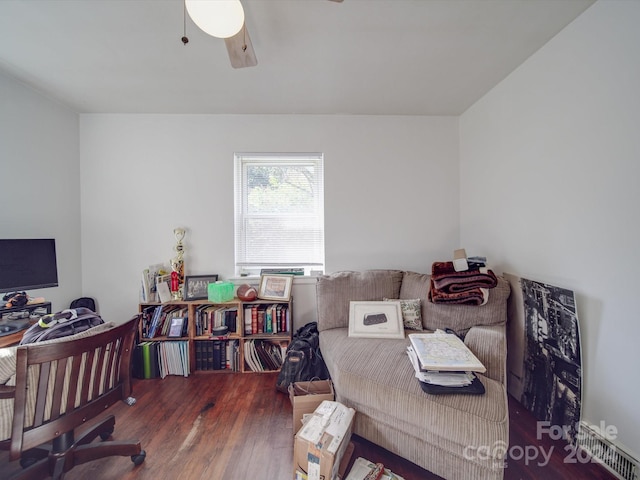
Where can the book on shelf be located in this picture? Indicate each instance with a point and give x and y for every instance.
(233, 352)
(231, 319)
(150, 366)
(443, 352)
(137, 369)
(201, 355)
(154, 359)
(247, 319)
(260, 322)
(209, 355)
(209, 316)
(264, 358)
(173, 358)
(217, 355)
(263, 355)
(266, 318)
(154, 322)
(257, 365)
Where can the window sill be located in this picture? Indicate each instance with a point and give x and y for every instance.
(255, 280)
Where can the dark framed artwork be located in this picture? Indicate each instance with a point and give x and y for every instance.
(196, 286)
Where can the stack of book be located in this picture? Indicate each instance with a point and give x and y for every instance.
(264, 355)
(209, 316)
(266, 318)
(217, 355)
(156, 320)
(444, 364)
(159, 359)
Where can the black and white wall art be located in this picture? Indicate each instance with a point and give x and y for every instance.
(545, 367)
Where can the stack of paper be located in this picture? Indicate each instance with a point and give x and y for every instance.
(442, 359)
(447, 379)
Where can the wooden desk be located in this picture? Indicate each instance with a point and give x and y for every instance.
(11, 339)
(14, 338)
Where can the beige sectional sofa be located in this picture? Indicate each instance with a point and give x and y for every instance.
(453, 436)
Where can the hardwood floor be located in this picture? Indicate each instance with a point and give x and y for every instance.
(236, 427)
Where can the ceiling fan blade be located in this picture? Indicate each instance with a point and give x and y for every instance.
(240, 49)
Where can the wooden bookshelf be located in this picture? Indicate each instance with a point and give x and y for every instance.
(202, 315)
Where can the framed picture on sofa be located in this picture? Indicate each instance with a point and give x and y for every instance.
(375, 319)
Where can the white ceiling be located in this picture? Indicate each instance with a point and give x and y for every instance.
(405, 57)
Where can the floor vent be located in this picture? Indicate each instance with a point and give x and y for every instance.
(609, 455)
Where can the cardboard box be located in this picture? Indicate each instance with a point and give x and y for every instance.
(307, 396)
(321, 443)
(344, 463)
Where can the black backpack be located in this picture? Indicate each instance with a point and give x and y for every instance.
(86, 302)
(61, 324)
(303, 360)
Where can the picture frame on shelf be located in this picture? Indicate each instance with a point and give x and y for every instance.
(175, 327)
(164, 292)
(275, 287)
(375, 319)
(163, 278)
(196, 286)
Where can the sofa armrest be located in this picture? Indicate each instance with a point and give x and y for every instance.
(489, 344)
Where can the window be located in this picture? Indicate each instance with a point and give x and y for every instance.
(279, 212)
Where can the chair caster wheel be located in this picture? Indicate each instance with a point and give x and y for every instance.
(105, 435)
(139, 458)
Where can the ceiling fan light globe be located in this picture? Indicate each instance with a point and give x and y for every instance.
(218, 18)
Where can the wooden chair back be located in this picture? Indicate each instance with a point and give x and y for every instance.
(60, 386)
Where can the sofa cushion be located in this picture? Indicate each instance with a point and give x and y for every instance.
(458, 317)
(335, 291)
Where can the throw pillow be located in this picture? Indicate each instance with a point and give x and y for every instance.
(411, 312)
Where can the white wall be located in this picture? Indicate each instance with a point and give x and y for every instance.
(39, 167)
(549, 191)
(391, 192)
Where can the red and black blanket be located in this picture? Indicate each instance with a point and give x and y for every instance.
(467, 287)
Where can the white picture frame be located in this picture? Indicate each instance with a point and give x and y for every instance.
(275, 287)
(374, 319)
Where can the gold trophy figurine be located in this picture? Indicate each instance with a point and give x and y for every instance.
(177, 265)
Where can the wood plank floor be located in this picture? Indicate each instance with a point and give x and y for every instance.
(236, 427)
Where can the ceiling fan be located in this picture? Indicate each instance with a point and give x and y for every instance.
(224, 19)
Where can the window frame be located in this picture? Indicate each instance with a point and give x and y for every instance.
(242, 160)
